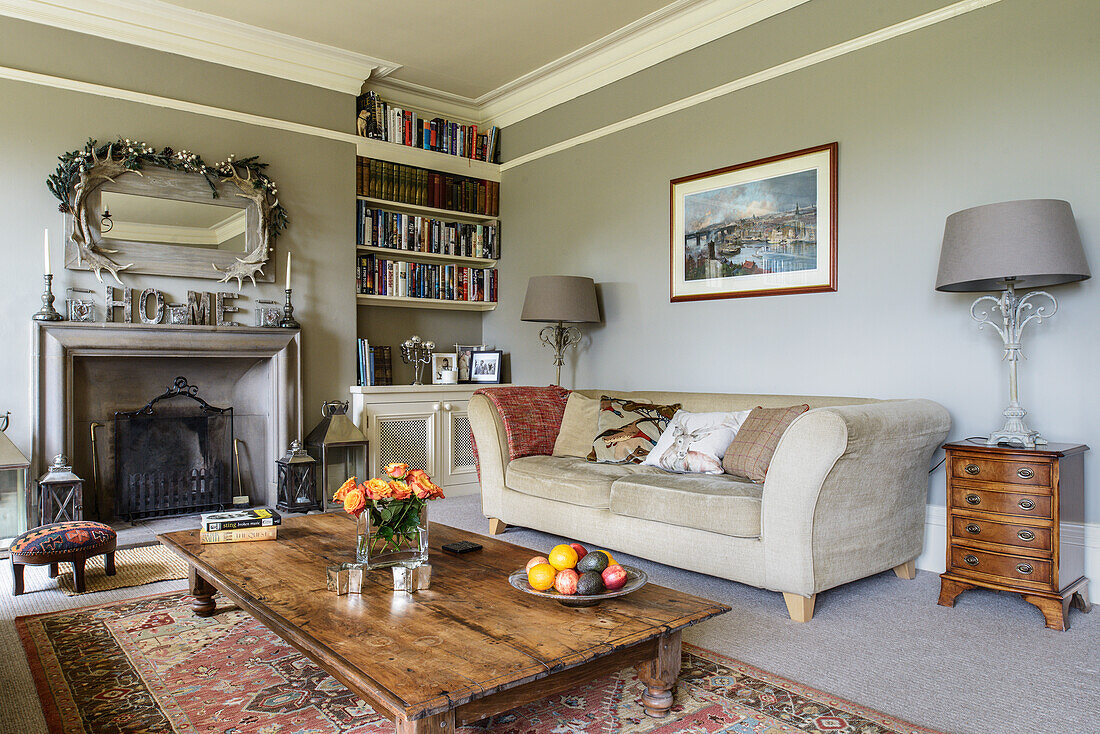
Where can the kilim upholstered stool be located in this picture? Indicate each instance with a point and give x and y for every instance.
(63, 542)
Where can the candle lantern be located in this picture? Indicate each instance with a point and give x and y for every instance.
(13, 486)
(338, 447)
(297, 482)
(60, 493)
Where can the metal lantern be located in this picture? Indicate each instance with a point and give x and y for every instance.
(13, 486)
(297, 483)
(339, 447)
(60, 493)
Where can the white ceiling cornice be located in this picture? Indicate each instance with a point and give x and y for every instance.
(171, 28)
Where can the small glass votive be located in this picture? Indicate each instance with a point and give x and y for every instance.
(406, 579)
(177, 313)
(425, 580)
(338, 579)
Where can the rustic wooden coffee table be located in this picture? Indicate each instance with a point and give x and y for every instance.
(468, 647)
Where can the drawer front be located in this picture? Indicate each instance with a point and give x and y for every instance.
(1006, 503)
(1016, 568)
(1009, 534)
(980, 468)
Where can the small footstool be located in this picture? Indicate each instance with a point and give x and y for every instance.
(63, 542)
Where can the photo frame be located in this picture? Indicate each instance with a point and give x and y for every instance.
(485, 366)
(464, 352)
(762, 228)
(442, 361)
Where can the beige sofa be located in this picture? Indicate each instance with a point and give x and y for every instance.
(844, 497)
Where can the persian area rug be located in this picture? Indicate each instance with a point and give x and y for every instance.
(133, 567)
(149, 665)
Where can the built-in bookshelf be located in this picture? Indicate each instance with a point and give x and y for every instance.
(429, 257)
(428, 303)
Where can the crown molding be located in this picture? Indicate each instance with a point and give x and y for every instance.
(165, 27)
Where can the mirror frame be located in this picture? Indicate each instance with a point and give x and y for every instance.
(83, 175)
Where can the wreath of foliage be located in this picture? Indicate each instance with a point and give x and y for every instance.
(134, 155)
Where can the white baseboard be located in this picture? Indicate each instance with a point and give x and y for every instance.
(1086, 535)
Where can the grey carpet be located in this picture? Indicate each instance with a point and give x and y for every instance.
(988, 666)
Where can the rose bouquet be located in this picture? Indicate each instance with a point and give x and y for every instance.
(390, 515)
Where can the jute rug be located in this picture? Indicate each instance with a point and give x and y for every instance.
(149, 665)
(133, 567)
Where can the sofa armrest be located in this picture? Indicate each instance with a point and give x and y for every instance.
(845, 493)
(491, 444)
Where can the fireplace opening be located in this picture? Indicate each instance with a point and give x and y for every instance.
(173, 456)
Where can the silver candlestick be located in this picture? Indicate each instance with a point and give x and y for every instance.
(417, 352)
(47, 312)
(288, 322)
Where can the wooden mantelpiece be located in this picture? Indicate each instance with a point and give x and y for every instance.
(67, 358)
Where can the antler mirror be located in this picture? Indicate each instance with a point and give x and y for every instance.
(130, 208)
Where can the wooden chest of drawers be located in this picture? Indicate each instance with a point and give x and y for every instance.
(1003, 511)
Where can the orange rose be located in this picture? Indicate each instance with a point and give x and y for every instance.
(378, 489)
(399, 490)
(344, 489)
(396, 471)
(354, 501)
(425, 488)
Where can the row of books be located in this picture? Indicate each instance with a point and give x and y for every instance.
(376, 276)
(374, 365)
(258, 523)
(380, 228)
(421, 187)
(380, 120)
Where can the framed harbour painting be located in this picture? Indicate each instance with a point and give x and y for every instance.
(762, 228)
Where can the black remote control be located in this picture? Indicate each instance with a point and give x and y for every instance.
(462, 546)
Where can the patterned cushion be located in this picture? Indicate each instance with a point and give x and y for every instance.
(63, 537)
(531, 417)
(628, 430)
(751, 451)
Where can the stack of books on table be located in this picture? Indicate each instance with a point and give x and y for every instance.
(258, 523)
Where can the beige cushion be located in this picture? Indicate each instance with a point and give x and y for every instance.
(578, 426)
(715, 502)
(751, 452)
(567, 479)
(628, 430)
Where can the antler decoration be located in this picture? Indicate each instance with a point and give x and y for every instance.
(97, 172)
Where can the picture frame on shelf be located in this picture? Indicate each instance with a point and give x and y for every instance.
(485, 366)
(761, 228)
(442, 361)
(465, 352)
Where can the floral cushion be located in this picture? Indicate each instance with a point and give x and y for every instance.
(63, 537)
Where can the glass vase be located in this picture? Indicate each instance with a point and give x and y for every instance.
(378, 547)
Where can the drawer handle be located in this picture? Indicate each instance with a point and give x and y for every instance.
(1026, 505)
(972, 469)
(1026, 535)
(971, 560)
(1025, 473)
(1024, 568)
(974, 499)
(972, 528)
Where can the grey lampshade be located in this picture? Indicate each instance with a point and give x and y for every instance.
(568, 298)
(1034, 241)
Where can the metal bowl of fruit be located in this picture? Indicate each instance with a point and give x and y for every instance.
(573, 582)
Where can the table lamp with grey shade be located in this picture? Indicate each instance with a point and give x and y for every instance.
(1015, 244)
(560, 300)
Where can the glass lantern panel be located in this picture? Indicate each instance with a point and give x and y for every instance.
(13, 503)
(343, 462)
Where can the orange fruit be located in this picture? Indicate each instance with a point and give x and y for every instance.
(563, 557)
(541, 577)
(610, 561)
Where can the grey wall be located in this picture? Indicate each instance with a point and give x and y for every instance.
(995, 105)
(316, 180)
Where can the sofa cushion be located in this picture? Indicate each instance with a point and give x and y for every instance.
(567, 479)
(628, 430)
(578, 426)
(750, 454)
(715, 502)
(695, 442)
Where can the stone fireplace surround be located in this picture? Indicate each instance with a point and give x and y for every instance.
(84, 372)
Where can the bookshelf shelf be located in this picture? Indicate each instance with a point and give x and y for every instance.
(428, 257)
(428, 303)
(436, 161)
(428, 211)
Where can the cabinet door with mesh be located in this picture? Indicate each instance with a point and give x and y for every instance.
(458, 465)
(404, 433)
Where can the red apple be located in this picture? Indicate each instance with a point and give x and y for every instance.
(581, 550)
(536, 561)
(566, 581)
(614, 577)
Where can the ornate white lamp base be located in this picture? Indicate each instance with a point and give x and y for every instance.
(1015, 430)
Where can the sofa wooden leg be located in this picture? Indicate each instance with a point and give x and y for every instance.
(496, 527)
(907, 570)
(801, 608)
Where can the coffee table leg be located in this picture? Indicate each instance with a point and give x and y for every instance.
(659, 675)
(443, 723)
(203, 604)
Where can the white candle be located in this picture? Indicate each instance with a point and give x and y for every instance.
(46, 248)
(288, 271)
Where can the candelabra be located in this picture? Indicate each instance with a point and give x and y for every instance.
(47, 312)
(288, 321)
(417, 352)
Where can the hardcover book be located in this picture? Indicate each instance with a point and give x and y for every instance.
(239, 535)
(251, 518)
